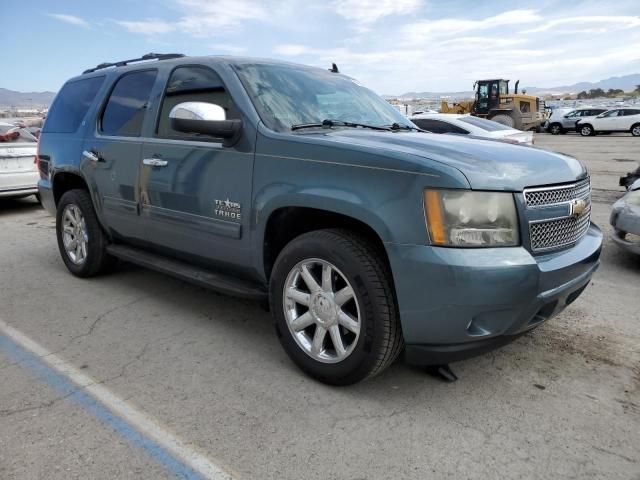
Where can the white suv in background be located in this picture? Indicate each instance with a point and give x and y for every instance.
(616, 120)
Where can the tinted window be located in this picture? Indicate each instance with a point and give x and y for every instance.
(192, 84)
(437, 126)
(127, 104)
(483, 123)
(71, 105)
(630, 112)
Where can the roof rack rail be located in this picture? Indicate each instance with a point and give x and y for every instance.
(148, 56)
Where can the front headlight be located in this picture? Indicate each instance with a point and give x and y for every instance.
(462, 218)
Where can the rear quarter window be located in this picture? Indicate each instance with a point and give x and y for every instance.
(71, 105)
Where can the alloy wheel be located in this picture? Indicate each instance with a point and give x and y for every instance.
(321, 310)
(74, 234)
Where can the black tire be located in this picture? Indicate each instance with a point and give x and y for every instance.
(586, 130)
(635, 130)
(555, 129)
(97, 259)
(38, 199)
(380, 340)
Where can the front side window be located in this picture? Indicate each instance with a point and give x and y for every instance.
(290, 95)
(127, 105)
(192, 84)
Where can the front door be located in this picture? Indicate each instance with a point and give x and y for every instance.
(112, 153)
(195, 191)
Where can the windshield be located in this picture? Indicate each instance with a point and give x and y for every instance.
(288, 95)
(485, 124)
(11, 133)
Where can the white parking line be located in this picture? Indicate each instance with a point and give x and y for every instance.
(142, 424)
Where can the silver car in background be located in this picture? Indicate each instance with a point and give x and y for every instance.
(18, 170)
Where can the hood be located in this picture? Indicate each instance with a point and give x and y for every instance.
(487, 164)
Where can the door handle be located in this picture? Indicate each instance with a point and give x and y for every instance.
(89, 155)
(155, 162)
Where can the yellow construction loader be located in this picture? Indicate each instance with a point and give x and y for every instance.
(494, 102)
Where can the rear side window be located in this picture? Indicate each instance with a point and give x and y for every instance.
(630, 112)
(125, 110)
(71, 105)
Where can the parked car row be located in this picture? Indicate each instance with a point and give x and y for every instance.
(590, 121)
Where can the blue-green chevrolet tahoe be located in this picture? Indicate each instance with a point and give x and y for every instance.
(297, 185)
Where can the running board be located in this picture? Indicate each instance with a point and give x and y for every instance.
(189, 273)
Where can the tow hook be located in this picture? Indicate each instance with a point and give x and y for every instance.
(443, 372)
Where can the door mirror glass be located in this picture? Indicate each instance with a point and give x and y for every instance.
(198, 111)
(206, 119)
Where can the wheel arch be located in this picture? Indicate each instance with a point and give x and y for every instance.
(285, 223)
(64, 181)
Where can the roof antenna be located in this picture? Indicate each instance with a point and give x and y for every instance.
(334, 68)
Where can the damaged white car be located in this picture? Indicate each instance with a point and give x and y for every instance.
(625, 216)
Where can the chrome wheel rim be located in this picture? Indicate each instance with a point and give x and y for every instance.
(586, 130)
(636, 131)
(74, 234)
(321, 310)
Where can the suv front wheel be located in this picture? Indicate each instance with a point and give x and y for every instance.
(81, 240)
(332, 298)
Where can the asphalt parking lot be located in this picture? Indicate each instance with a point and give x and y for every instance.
(561, 402)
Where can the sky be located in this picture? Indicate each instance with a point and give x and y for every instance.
(391, 46)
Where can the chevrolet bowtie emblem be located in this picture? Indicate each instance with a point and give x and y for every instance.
(576, 207)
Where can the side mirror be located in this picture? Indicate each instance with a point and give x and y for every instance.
(204, 118)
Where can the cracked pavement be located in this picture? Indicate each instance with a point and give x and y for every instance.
(562, 402)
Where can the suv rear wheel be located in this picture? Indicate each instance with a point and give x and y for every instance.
(81, 241)
(635, 130)
(334, 307)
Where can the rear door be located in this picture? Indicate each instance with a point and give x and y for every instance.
(608, 122)
(196, 192)
(112, 153)
(630, 118)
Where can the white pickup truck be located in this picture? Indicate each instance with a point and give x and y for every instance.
(18, 170)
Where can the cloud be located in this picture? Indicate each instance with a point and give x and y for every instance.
(148, 27)
(369, 11)
(420, 31)
(227, 48)
(70, 19)
(201, 18)
(601, 24)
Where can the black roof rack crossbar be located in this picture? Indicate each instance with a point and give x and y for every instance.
(148, 56)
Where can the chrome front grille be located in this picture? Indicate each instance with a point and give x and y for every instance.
(546, 235)
(566, 223)
(542, 196)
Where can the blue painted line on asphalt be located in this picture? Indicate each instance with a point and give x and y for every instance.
(67, 388)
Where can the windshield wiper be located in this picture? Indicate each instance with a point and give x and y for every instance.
(328, 123)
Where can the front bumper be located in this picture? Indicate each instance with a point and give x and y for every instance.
(455, 303)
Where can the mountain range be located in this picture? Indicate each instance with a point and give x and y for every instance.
(11, 98)
(627, 83)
